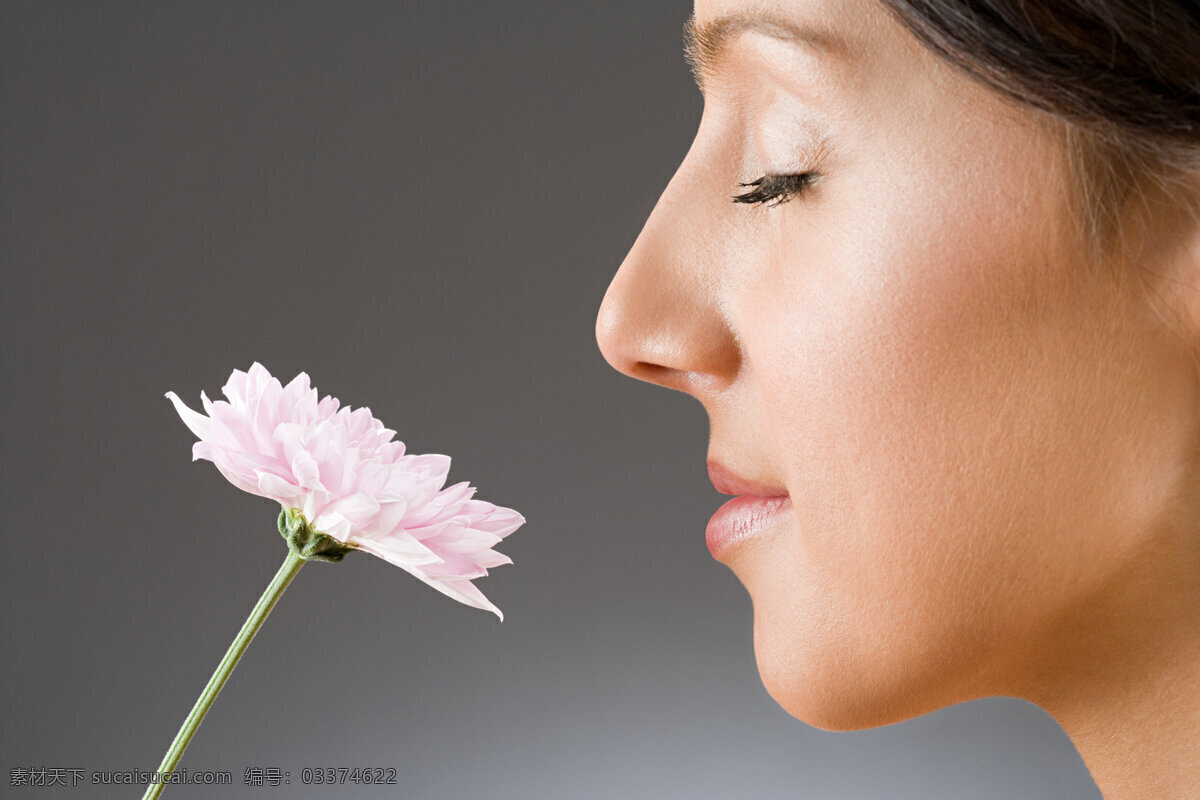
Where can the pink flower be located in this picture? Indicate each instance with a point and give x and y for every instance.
(341, 470)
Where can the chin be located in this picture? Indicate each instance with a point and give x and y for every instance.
(831, 688)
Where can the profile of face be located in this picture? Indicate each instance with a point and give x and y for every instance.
(982, 433)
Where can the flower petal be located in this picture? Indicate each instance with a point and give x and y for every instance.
(237, 479)
(467, 593)
(344, 470)
(235, 388)
(306, 471)
(490, 558)
(402, 551)
(327, 407)
(298, 385)
(454, 567)
(277, 488)
(196, 422)
(432, 467)
(359, 508)
(500, 521)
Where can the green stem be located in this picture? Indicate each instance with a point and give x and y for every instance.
(291, 565)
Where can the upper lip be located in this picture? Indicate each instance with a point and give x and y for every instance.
(726, 481)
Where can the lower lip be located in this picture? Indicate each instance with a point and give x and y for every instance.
(742, 518)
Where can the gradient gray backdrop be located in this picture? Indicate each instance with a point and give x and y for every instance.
(420, 204)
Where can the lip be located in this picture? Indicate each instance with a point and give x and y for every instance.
(751, 513)
(726, 481)
(742, 518)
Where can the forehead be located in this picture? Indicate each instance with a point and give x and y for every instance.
(854, 50)
(841, 31)
(844, 22)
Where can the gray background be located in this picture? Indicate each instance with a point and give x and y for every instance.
(421, 205)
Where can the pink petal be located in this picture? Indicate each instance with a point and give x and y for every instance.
(455, 495)
(306, 471)
(231, 430)
(319, 438)
(235, 388)
(276, 488)
(291, 436)
(390, 515)
(468, 542)
(237, 477)
(196, 422)
(327, 407)
(392, 452)
(335, 525)
(501, 521)
(298, 385)
(461, 590)
(490, 559)
(467, 593)
(265, 415)
(344, 470)
(332, 469)
(358, 508)
(432, 467)
(401, 551)
(453, 566)
(424, 533)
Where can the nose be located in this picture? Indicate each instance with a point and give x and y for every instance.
(661, 319)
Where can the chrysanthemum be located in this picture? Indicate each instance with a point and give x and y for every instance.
(339, 472)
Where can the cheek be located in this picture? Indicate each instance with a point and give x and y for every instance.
(949, 434)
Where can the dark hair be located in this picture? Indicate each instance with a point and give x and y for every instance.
(1124, 75)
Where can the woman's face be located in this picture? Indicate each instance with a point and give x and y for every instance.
(975, 427)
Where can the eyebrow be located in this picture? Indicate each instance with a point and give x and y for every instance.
(705, 46)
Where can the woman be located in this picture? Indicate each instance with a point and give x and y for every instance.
(933, 270)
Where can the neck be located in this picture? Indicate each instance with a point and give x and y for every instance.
(1126, 686)
(1141, 739)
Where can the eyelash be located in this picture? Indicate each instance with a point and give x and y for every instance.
(772, 190)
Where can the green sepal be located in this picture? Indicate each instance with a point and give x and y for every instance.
(306, 541)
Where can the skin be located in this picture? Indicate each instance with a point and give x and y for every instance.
(990, 438)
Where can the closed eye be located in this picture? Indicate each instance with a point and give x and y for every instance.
(774, 189)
